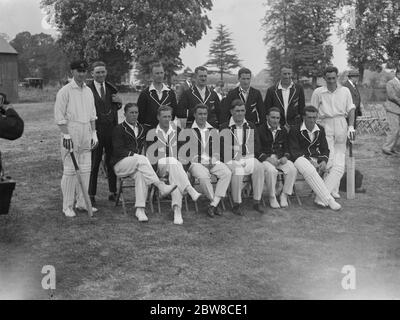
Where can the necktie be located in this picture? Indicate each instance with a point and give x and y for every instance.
(102, 94)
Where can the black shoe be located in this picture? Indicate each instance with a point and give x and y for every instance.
(258, 207)
(210, 211)
(112, 197)
(92, 200)
(237, 209)
(217, 211)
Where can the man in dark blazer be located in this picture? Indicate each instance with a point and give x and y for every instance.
(156, 95)
(353, 77)
(199, 93)
(310, 153)
(251, 97)
(288, 97)
(107, 104)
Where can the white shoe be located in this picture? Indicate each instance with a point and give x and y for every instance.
(69, 212)
(165, 189)
(274, 203)
(141, 215)
(178, 216)
(335, 195)
(84, 209)
(334, 205)
(193, 193)
(284, 200)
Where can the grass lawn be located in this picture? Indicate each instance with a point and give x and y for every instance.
(289, 253)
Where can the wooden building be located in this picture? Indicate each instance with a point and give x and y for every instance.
(8, 70)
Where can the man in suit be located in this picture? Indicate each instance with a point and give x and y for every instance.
(199, 93)
(251, 97)
(205, 161)
(129, 138)
(274, 155)
(107, 104)
(288, 97)
(353, 77)
(240, 145)
(392, 106)
(156, 95)
(310, 153)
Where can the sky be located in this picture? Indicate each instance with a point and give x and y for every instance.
(242, 19)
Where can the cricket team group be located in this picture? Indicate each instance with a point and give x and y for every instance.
(176, 138)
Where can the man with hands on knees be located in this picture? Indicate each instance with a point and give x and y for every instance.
(75, 115)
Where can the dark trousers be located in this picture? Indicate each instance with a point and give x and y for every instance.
(105, 143)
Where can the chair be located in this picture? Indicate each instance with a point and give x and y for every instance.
(247, 190)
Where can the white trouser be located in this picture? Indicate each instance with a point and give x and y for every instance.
(394, 133)
(271, 174)
(81, 138)
(310, 174)
(336, 136)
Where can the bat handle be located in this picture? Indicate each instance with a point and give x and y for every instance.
(71, 152)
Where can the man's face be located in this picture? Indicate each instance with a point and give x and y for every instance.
(201, 117)
(99, 74)
(201, 78)
(244, 80)
(330, 78)
(310, 119)
(164, 119)
(131, 115)
(286, 75)
(158, 74)
(238, 113)
(273, 119)
(79, 75)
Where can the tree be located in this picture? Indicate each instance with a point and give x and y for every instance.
(143, 30)
(222, 52)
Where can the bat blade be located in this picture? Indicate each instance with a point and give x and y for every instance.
(350, 175)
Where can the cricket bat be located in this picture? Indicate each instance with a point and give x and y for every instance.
(351, 174)
(81, 184)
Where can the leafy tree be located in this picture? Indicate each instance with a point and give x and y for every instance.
(145, 30)
(222, 52)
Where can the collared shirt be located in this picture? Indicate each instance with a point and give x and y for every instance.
(202, 92)
(332, 104)
(165, 134)
(159, 93)
(203, 133)
(285, 95)
(397, 79)
(98, 87)
(245, 93)
(311, 134)
(274, 131)
(74, 103)
(134, 128)
(238, 130)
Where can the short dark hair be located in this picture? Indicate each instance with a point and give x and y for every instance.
(199, 106)
(276, 109)
(330, 69)
(98, 64)
(286, 66)
(243, 71)
(200, 68)
(309, 108)
(130, 105)
(164, 108)
(235, 103)
(155, 65)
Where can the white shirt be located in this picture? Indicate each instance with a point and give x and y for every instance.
(74, 103)
(165, 134)
(98, 87)
(245, 93)
(285, 95)
(332, 104)
(202, 92)
(135, 128)
(159, 93)
(238, 130)
(204, 139)
(274, 131)
(311, 134)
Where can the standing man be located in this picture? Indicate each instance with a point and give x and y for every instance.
(199, 93)
(75, 115)
(206, 162)
(335, 106)
(241, 144)
(352, 80)
(107, 104)
(252, 98)
(274, 155)
(392, 106)
(156, 95)
(185, 85)
(288, 97)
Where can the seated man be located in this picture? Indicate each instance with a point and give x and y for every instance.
(206, 160)
(274, 155)
(309, 152)
(128, 142)
(164, 152)
(240, 142)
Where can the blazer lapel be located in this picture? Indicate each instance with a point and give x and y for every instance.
(196, 93)
(291, 94)
(278, 94)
